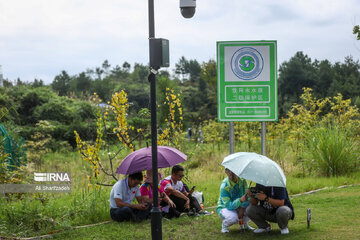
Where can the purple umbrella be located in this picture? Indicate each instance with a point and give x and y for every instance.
(141, 159)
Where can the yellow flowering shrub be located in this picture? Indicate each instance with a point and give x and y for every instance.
(119, 107)
(119, 104)
(215, 132)
(90, 152)
(247, 133)
(303, 122)
(174, 121)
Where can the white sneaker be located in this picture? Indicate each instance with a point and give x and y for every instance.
(284, 231)
(246, 222)
(263, 230)
(248, 227)
(224, 228)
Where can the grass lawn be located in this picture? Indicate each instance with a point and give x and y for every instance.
(335, 215)
(39, 214)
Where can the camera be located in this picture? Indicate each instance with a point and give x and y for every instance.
(254, 191)
(187, 8)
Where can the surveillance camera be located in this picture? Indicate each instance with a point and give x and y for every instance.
(187, 8)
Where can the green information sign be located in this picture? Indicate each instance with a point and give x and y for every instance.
(247, 81)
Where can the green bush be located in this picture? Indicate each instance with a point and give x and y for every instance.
(56, 109)
(3, 165)
(331, 150)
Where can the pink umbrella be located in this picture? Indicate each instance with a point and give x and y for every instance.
(141, 159)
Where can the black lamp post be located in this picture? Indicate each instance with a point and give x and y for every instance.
(156, 226)
(159, 57)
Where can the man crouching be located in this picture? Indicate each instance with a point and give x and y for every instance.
(121, 197)
(270, 204)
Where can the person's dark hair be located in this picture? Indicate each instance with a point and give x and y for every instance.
(137, 175)
(176, 169)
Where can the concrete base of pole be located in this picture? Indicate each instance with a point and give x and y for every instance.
(156, 226)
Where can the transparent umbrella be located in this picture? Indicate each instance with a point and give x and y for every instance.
(256, 168)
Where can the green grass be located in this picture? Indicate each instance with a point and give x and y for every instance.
(31, 217)
(299, 184)
(334, 216)
(41, 213)
(35, 215)
(334, 148)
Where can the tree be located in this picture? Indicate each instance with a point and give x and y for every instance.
(189, 70)
(37, 83)
(7, 83)
(126, 66)
(209, 75)
(346, 79)
(121, 73)
(28, 104)
(57, 109)
(38, 145)
(103, 87)
(83, 83)
(194, 70)
(325, 77)
(140, 73)
(19, 82)
(163, 83)
(181, 68)
(295, 74)
(99, 72)
(106, 66)
(61, 83)
(356, 31)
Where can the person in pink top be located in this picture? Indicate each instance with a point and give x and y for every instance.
(166, 204)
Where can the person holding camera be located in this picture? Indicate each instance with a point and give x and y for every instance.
(232, 202)
(269, 204)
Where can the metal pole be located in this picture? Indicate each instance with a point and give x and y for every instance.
(263, 138)
(231, 137)
(308, 217)
(156, 226)
(156, 231)
(151, 19)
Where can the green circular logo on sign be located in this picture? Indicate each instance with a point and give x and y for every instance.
(247, 63)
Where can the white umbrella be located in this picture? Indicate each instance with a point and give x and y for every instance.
(256, 168)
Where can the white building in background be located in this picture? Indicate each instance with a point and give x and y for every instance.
(1, 78)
